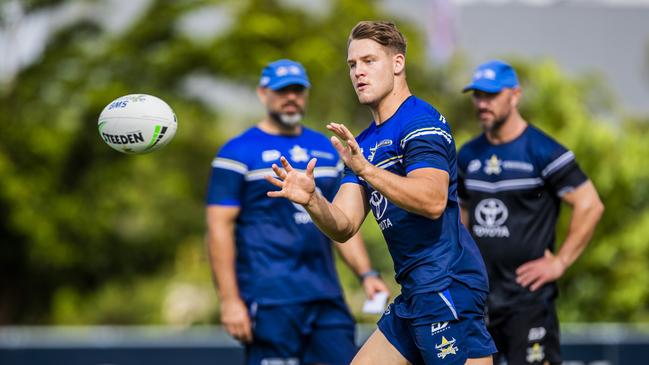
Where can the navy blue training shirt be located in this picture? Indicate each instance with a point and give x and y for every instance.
(428, 254)
(282, 257)
(512, 192)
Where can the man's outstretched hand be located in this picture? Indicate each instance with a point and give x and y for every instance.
(350, 153)
(295, 185)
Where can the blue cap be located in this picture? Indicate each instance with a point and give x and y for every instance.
(282, 73)
(492, 77)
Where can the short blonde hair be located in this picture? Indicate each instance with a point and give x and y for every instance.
(382, 32)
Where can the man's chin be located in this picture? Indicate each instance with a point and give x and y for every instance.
(291, 119)
(486, 125)
(365, 99)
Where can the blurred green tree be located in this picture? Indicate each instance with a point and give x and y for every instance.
(93, 236)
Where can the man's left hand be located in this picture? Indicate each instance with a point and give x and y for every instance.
(372, 285)
(538, 272)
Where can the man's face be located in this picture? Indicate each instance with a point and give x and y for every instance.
(288, 103)
(493, 109)
(371, 69)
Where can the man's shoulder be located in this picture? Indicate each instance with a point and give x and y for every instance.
(419, 116)
(540, 138)
(314, 135)
(243, 137)
(239, 146)
(544, 148)
(419, 110)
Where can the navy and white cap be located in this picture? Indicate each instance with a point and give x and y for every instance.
(282, 73)
(492, 77)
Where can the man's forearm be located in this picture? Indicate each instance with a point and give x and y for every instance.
(423, 194)
(581, 229)
(222, 259)
(332, 221)
(354, 253)
(587, 210)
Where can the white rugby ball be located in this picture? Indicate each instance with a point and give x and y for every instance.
(137, 123)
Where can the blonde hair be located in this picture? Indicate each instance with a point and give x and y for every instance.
(382, 32)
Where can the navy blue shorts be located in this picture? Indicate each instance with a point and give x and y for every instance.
(446, 328)
(320, 332)
(527, 334)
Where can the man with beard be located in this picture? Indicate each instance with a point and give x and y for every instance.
(513, 178)
(279, 291)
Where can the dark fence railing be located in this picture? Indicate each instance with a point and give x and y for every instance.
(582, 344)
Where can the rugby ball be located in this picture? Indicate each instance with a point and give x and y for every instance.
(137, 123)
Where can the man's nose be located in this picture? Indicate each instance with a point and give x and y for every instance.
(359, 70)
(481, 102)
(291, 94)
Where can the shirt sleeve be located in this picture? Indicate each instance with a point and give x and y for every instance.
(426, 144)
(561, 171)
(350, 177)
(227, 178)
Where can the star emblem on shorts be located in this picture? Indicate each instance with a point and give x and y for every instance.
(446, 347)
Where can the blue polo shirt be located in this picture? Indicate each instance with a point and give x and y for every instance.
(282, 257)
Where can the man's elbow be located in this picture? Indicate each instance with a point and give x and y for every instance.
(598, 208)
(435, 209)
(591, 207)
(342, 235)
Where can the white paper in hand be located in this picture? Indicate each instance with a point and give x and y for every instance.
(376, 305)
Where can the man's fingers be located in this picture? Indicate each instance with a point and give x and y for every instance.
(537, 283)
(310, 167)
(527, 267)
(287, 166)
(274, 181)
(246, 335)
(524, 279)
(523, 269)
(279, 172)
(353, 146)
(240, 330)
(348, 134)
(337, 145)
(333, 127)
(528, 279)
(275, 194)
(232, 330)
(337, 130)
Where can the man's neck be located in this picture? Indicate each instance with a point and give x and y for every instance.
(272, 127)
(513, 127)
(387, 106)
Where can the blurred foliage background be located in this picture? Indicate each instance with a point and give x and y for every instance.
(91, 236)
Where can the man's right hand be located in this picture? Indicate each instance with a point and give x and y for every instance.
(297, 186)
(235, 318)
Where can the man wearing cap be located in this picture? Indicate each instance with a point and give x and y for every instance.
(513, 178)
(278, 288)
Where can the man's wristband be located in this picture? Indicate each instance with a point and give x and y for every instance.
(369, 273)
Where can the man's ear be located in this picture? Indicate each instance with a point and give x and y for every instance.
(516, 96)
(399, 62)
(261, 94)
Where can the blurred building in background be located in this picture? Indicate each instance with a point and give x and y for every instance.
(610, 37)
